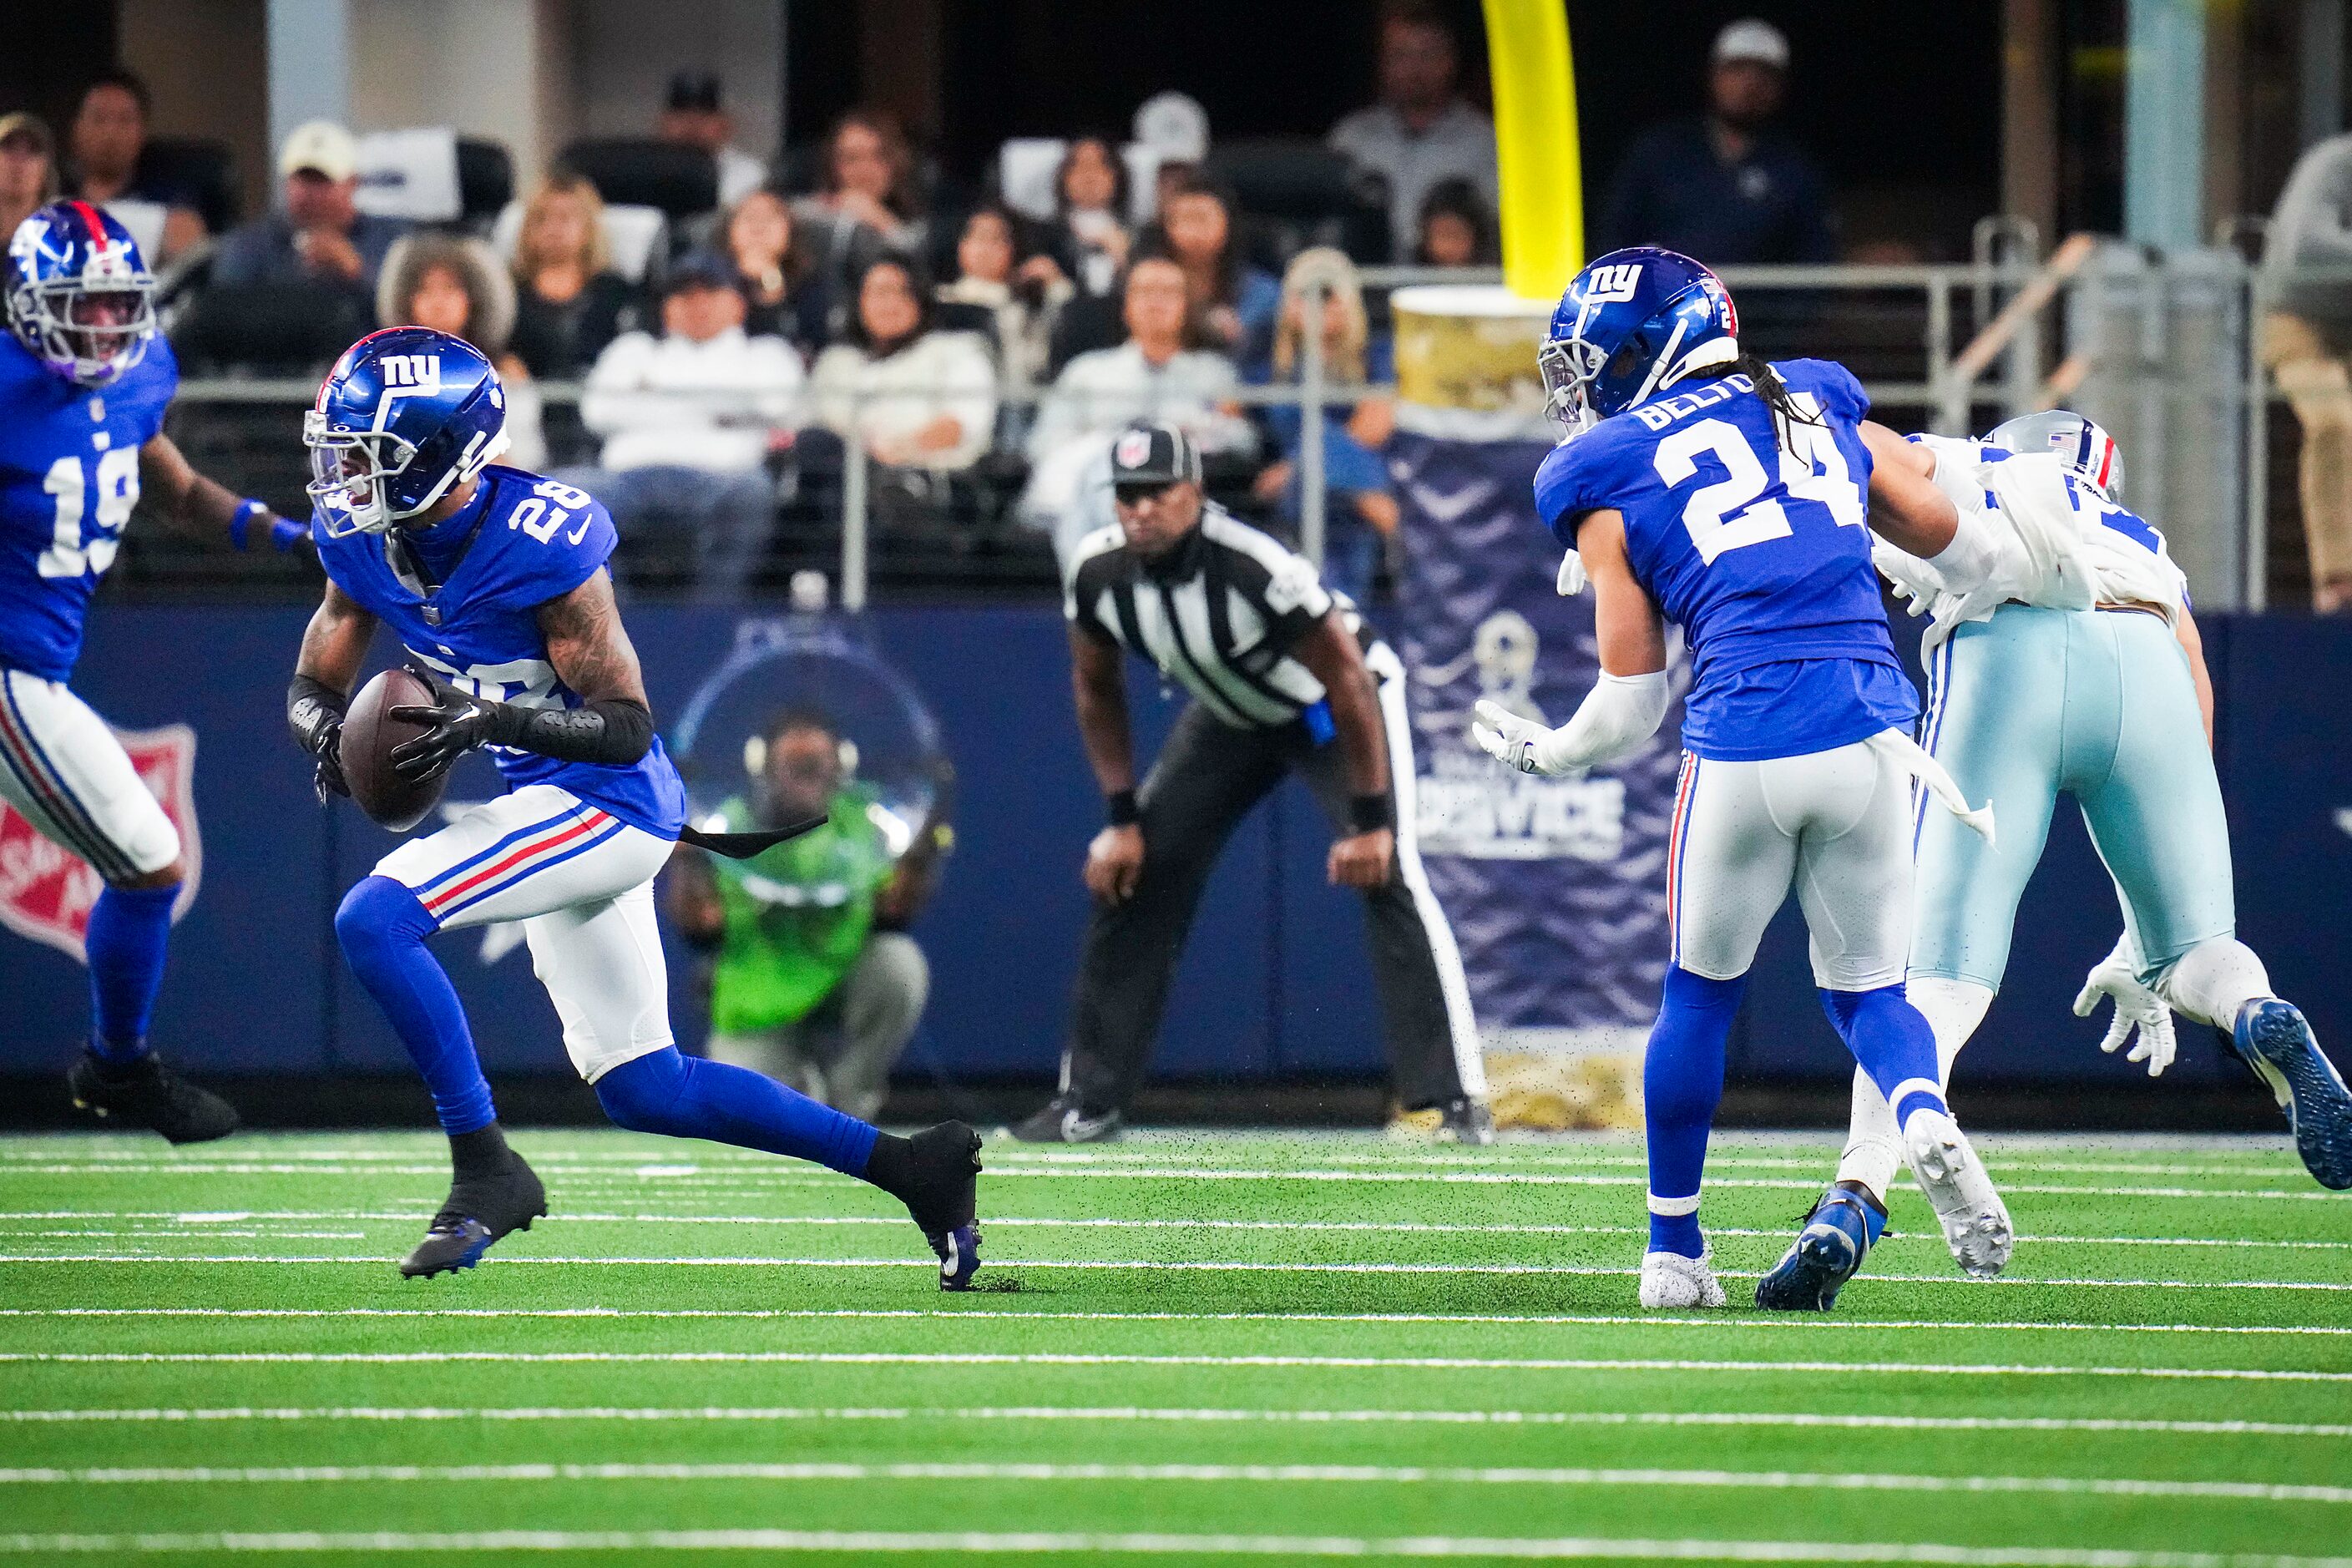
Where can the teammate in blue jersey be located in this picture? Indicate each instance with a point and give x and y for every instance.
(2088, 681)
(495, 583)
(1700, 484)
(84, 383)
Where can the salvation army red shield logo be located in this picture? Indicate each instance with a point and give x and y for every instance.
(47, 889)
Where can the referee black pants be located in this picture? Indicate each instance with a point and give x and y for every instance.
(1204, 781)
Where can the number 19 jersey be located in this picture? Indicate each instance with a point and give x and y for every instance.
(69, 479)
(1758, 550)
(533, 540)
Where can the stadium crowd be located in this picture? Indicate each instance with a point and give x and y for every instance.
(734, 327)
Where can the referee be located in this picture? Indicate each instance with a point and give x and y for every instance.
(1285, 678)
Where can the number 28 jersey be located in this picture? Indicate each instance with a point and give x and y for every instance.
(1760, 554)
(533, 540)
(69, 479)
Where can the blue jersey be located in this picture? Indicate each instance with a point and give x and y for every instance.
(1761, 555)
(533, 540)
(69, 479)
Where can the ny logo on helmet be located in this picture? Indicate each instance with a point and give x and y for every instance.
(422, 372)
(1616, 282)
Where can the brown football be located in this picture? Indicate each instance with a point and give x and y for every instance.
(370, 732)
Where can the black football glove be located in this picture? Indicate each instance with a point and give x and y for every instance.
(459, 723)
(315, 714)
(327, 779)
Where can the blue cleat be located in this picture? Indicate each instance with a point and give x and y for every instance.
(2272, 1037)
(1838, 1235)
(959, 1251)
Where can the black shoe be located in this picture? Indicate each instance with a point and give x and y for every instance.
(944, 1199)
(477, 1211)
(1466, 1122)
(1063, 1120)
(145, 1091)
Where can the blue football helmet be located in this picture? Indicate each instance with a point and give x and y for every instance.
(406, 414)
(79, 296)
(2089, 453)
(1633, 323)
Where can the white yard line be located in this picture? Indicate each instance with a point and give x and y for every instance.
(1801, 1323)
(1209, 1414)
(1342, 1475)
(1156, 1265)
(1136, 1544)
(1045, 1358)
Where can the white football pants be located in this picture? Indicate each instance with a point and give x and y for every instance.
(64, 771)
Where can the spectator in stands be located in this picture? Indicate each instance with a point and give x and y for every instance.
(692, 116)
(2307, 343)
(320, 236)
(1155, 374)
(688, 419)
(108, 134)
(1012, 299)
(813, 979)
(779, 279)
(1456, 228)
(920, 403)
(1725, 187)
(1360, 514)
(1233, 303)
(29, 169)
(454, 284)
(569, 303)
(1090, 213)
(1423, 130)
(868, 202)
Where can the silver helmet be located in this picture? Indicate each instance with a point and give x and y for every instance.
(2089, 453)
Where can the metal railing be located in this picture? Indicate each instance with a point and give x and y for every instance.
(1955, 347)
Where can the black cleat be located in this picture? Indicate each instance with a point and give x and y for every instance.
(945, 1199)
(478, 1211)
(146, 1092)
(1466, 1120)
(1061, 1120)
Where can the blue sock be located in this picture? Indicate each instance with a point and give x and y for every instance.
(129, 928)
(1893, 1043)
(688, 1097)
(1681, 1079)
(383, 928)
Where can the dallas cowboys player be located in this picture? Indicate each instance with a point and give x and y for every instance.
(494, 580)
(1701, 485)
(2091, 683)
(84, 383)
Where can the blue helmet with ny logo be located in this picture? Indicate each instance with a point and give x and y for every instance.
(406, 415)
(1633, 323)
(79, 296)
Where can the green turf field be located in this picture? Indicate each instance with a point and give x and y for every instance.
(1199, 1347)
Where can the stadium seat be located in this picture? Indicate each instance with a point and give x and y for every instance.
(634, 235)
(639, 171)
(203, 168)
(268, 328)
(1301, 193)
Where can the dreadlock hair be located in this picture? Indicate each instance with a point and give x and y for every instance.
(1775, 394)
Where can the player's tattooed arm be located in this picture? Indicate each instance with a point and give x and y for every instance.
(333, 645)
(589, 647)
(204, 509)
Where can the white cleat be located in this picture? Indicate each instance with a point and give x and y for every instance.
(1671, 1282)
(1975, 1220)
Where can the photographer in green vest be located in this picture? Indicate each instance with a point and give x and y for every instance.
(812, 977)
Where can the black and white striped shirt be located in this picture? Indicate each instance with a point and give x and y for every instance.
(1218, 615)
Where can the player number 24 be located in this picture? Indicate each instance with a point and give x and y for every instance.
(1729, 513)
(69, 555)
(534, 517)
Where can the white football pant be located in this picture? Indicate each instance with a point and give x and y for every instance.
(64, 771)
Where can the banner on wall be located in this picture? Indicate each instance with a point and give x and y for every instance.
(47, 890)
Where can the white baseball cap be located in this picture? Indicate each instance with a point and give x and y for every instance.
(323, 146)
(1751, 38)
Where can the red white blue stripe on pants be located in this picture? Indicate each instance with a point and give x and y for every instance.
(523, 853)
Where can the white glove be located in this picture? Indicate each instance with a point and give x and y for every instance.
(1507, 738)
(2136, 1008)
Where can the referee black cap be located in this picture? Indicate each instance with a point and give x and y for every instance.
(1151, 456)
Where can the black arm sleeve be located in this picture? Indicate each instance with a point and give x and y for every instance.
(314, 712)
(613, 731)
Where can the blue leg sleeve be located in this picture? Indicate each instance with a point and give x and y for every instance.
(383, 928)
(688, 1097)
(1892, 1043)
(1681, 1079)
(129, 930)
